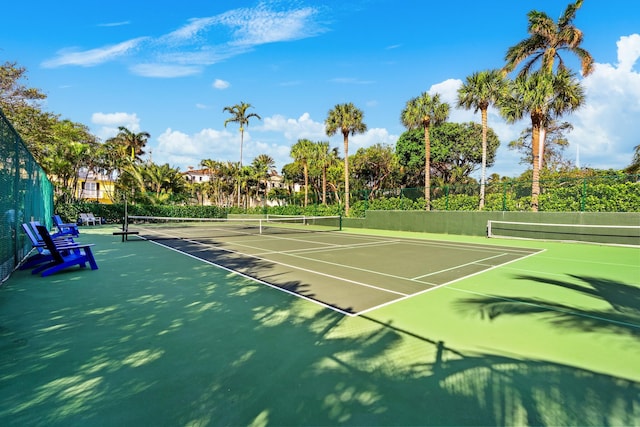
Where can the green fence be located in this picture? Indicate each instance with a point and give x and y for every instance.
(25, 195)
(601, 193)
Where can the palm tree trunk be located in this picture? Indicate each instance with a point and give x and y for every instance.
(535, 177)
(483, 176)
(306, 185)
(543, 137)
(427, 169)
(324, 186)
(346, 174)
(240, 169)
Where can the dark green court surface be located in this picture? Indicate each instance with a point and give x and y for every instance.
(349, 273)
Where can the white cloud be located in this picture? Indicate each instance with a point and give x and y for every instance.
(165, 70)
(190, 31)
(183, 150)
(605, 129)
(369, 138)
(92, 57)
(221, 84)
(628, 51)
(109, 122)
(114, 24)
(294, 129)
(263, 25)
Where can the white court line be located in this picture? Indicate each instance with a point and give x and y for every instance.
(403, 296)
(458, 266)
(342, 279)
(334, 248)
(446, 284)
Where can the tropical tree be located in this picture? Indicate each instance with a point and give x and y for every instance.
(302, 153)
(634, 167)
(541, 94)
(262, 165)
(479, 91)
(72, 148)
(346, 119)
(425, 111)
(547, 39)
(239, 115)
(375, 168)
(21, 105)
(133, 142)
(556, 143)
(323, 158)
(455, 152)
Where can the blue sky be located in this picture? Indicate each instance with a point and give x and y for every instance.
(170, 68)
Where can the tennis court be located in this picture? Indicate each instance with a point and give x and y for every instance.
(349, 273)
(490, 333)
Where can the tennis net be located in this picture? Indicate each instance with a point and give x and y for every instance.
(154, 227)
(628, 235)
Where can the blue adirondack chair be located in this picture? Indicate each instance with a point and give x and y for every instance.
(65, 229)
(42, 255)
(64, 255)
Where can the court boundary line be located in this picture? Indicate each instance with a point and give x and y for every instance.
(450, 282)
(255, 279)
(402, 297)
(366, 285)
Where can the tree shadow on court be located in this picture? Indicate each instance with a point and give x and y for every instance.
(483, 388)
(621, 315)
(153, 339)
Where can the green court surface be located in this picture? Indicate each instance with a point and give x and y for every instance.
(342, 328)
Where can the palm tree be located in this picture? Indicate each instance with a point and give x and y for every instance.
(323, 158)
(262, 165)
(134, 142)
(541, 95)
(547, 39)
(239, 115)
(481, 90)
(634, 167)
(302, 153)
(347, 119)
(425, 111)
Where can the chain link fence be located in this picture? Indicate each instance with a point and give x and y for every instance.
(26, 194)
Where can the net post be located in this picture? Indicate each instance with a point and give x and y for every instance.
(339, 222)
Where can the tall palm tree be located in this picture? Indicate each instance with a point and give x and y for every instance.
(540, 95)
(323, 158)
(547, 39)
(425, 111)
(346, 119)
(134, 142)
(239, 115)
(302, 153)
(479, 91)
